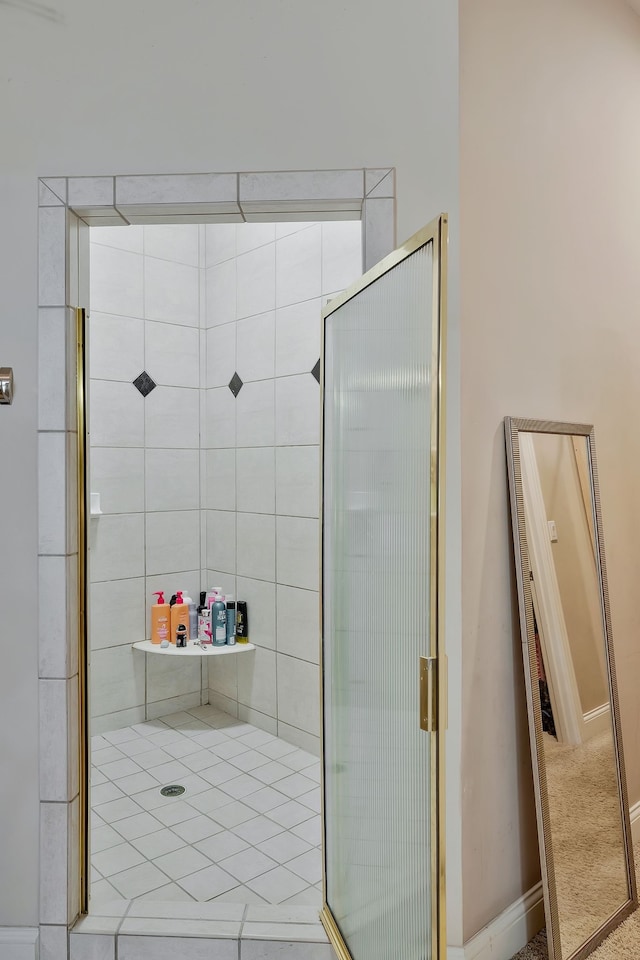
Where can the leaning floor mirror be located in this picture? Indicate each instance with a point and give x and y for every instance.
(574, 719)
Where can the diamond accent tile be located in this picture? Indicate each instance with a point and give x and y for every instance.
(235, 384)
(316, 371)
(144, 384)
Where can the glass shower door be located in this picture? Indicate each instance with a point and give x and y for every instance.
(381, 467)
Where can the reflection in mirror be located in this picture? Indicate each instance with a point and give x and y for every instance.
(583, 821)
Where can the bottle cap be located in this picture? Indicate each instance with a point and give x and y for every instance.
(179, 596)
(160, 595)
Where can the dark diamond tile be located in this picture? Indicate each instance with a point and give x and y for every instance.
(316, 371)
(144, 383)
(235, 384)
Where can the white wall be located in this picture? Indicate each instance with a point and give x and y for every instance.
(266, 284)
(121, 88)
(144, 461)
(550, 148)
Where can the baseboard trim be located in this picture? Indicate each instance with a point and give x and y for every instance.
(516, 925)
(19, 943)
(509, 932)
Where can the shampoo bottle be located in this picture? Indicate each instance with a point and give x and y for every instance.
(219, 622)
(179, 615)
(242, 622)
(231, 620)
(193, 616)
(160, 619)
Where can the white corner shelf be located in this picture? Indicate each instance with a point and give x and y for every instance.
(192, 649)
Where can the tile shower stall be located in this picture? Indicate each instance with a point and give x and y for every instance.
(204, 407)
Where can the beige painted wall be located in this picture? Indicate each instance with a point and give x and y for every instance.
(550, 201)
(574, 562)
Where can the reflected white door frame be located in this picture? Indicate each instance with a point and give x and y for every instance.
(563, 686)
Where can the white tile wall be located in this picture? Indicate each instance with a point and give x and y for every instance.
(171, 292)
(255, 308)
(125, 297)
(117, 473)
(116, 347)
(172, 479)
(221, 354)
(256, 347)
(298, 337)
(274, 352)
(255, 480)
(172, 354)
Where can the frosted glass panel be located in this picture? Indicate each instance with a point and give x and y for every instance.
(378, 355)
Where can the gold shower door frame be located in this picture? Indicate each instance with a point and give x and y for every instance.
(435, 234)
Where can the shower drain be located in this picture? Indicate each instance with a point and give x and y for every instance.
(174, 790)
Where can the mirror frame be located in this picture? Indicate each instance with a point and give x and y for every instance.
(514, 426)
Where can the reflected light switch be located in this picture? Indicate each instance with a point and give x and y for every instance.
(553, 533)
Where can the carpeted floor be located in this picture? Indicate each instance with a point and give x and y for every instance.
(586, 830)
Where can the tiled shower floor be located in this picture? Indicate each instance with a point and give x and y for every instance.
(247, 828)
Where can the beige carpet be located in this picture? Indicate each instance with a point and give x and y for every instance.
(586, 830)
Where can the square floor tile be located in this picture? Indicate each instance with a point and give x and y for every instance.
(257, 830)
(277, 749)
(247, 864)
(137, 826)
(257, 739)
(119, 736)
(199, 828)
(310, 830)
(249, 760)
(177, 719)
(300, 760)
(232, 814)
(171, 772)
(284, 846)
(99, 743)
(107, 755)
(232, 748)
(170, 893)
(104, 837)
(312, 799)
(152, 758)
(222, 845)
(265, 800)
(210, 738)
(119, 768)
(103, 892)
(199, 761)
(139, 746)
(290, 814)
(182, 749)
(116, 859)
(138, 880)
(104, 792)
(136, 783)
(193, 785)
(96, 778)
(272, 772)
(240, 894)
(310, 897)
(177, 812)
(308, 866)
(118, 809)
(211, 802)
(277, 885)
(296, 785)
(208, 883)
(219, 773)
(157, 844)
(241, 786)
(182, 862)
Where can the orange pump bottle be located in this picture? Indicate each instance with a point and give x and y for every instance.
(160, 619)
(179, 614)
